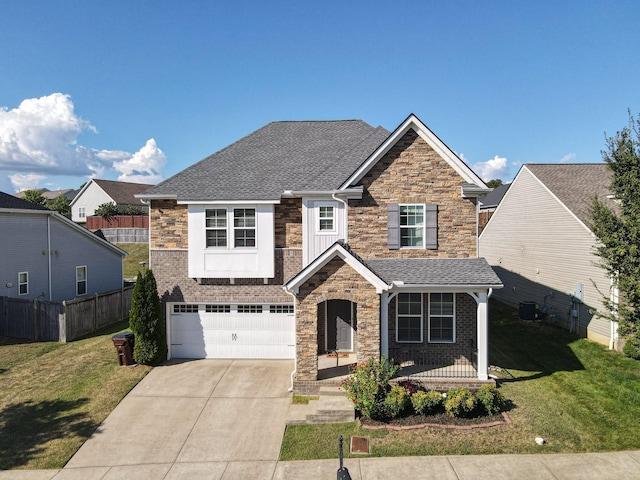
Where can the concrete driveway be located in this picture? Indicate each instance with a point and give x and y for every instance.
(188, 413)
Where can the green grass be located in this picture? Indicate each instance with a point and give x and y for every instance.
(138, 252)
(54, 395)
(577, 395)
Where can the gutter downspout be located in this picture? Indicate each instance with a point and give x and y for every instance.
(295, 357)
(346, 216)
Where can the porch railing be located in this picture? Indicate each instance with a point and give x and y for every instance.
(420, 364)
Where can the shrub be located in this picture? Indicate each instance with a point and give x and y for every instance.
(490, 399)
(145, 321)
(396, 401)
(460, 402)
(632, 348)
(426, 402)
(368, 384)
(410, 386)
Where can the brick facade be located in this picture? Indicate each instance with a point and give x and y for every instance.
(439, 354)
(170, 267)
(336, 280)
(412, 172)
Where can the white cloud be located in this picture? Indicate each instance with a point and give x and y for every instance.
(568, 158)
(40, 138)
(144, 166)
(495, 168)
(26, 181)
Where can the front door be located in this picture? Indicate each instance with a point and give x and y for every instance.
(339, 325)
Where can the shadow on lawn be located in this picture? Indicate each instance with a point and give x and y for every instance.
(26, 428)
(532, 348)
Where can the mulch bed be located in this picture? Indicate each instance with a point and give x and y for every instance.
(438, 420)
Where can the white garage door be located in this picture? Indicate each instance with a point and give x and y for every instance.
(232, 331)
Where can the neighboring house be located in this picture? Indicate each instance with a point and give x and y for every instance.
(539, 243)
(47, 256)
(489, 204)
(96, 192)
(70, 193)
(373, 236)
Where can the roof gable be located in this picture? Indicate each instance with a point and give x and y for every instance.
(122, 193)
(341, 251)
(413, 122)
(575, 185)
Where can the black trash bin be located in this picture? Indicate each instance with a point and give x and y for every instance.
(528, 311)
(124, 346)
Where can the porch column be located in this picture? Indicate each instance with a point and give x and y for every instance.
(483, 335)
(384, 324)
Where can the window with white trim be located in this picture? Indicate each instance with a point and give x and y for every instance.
(411, 225)
(281, 309)
(249, 308)
(81, 280)
(216, 227)
(81, 212)
(326, 218)
(244, 227)
(23, 283)
(442, 319)
(230, 227)
(186, 308)
(217, 308)
(409, 318)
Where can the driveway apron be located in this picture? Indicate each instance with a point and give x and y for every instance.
(196, 411)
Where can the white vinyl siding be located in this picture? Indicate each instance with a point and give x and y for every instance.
(541, 251)
(323, 223)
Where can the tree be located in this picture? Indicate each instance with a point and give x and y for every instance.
(107, 210)
(35, 197)
(618, 232)
(61, 205)
(145, 321)
(496, 182)
(132, 210)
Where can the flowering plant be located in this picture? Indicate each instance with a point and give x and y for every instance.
(368, 383)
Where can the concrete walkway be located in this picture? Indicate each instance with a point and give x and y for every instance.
(224, 420)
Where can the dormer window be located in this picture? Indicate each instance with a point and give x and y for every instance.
(326, 218)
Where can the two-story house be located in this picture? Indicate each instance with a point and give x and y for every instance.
(310, 237)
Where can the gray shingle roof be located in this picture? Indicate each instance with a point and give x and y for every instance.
(435, 271)
(9, 201)
(298, 156)
(575, 184)
(492, 199)
(122, 192)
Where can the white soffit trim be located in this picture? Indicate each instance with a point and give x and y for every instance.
(336, 250)
(413, 122)
(228, 202)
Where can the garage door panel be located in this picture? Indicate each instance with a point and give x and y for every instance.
(232, 335)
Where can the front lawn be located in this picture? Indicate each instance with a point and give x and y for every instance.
(577, 395)
(54, 395)
(138, 252)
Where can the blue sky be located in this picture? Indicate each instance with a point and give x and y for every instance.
(139, 90)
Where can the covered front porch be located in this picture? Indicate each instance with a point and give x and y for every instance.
(428, 315)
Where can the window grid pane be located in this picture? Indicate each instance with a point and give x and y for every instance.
(216, 227)
(411, 225)
(441, 317)
(409, 317)
(244, 222)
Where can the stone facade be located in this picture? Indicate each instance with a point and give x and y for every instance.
(412, 172)
(169, 225)
(288, 220)
(336, 280)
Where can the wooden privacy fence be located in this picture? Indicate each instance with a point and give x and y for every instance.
(66, 321)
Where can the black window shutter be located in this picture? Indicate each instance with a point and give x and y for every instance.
(431, 223)
(393, 226)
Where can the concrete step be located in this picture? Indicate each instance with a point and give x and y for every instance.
(331, 390)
